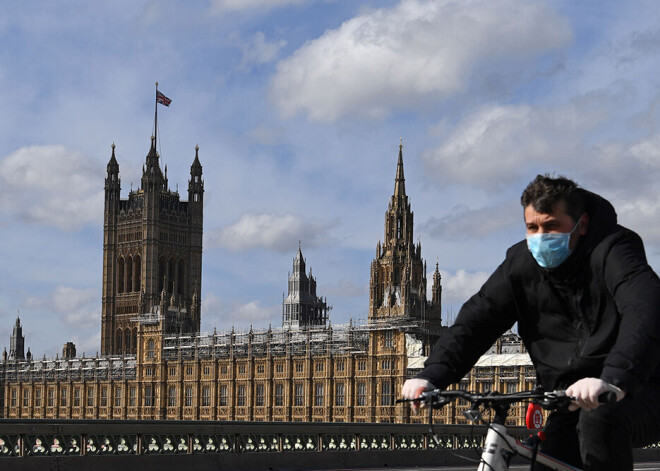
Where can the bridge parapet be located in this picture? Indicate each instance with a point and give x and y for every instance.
(25, 438)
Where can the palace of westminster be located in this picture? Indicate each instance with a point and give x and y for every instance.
(155, 363)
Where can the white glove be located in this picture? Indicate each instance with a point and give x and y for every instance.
(587, 390)
(413, 388)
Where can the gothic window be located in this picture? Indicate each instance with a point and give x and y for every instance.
(299, 395)
(240, 396)
(118, 396)
(171, 396)
(389, 338)
(132, 396)
(206, 396)
(362, 365)
(386, 397)
(127, 340)
(181, 277)
(14, 394)
(129, 274)
(362, 393)
(318, 394)
(189, 396)
(161, 273)
(340, 396)
(151, 348)
(90, 396)
(51, 397)
(76, 397)
(171, 275)
(148, 396)
(259, 396)
(26, 397)
(63, 397)
(120, 275)
(137, 272)
(279, 394)
(223, 395)
(120, 334)
(37, 397)
(134, 340)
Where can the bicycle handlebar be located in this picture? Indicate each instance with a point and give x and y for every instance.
(550, 400)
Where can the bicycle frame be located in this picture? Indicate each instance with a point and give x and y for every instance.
(499, 447)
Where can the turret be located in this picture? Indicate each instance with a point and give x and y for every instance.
(152, 175)
(112, 181)
(17, 342)
(196, 184)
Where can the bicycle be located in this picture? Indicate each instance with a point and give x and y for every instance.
(499, 447)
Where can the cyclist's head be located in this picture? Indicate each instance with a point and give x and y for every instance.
(545, 193)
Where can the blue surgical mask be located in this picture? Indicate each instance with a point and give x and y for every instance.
(550, 249)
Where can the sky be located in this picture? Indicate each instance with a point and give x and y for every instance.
(298, 108)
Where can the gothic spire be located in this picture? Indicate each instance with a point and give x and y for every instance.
(400, 181)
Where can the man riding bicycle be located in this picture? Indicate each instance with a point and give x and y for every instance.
(587, 306)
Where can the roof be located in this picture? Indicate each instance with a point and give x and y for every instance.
(491, 359)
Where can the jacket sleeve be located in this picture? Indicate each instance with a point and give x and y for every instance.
(635, 288)
(481, 320)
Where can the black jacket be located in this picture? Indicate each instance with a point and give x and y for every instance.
(596, 315)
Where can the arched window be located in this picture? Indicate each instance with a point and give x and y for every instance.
(129, 274)
(161, 273)
(181, 278)
(120, 275)
(120, 334)
(134, 344)
(127, 341)
(137, 272)
(151, 348)
(171, 274)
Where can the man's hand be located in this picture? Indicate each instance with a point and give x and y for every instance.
(587, 390)
(413, 388)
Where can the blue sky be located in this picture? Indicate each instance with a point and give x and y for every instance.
(298, 107)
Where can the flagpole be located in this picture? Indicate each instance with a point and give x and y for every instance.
(156, 119)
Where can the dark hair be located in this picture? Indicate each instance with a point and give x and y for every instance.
(544, 193)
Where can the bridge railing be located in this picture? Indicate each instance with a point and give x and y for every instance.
(28, 438)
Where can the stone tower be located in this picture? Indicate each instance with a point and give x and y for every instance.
(152, 254)
(398, 273)
(17, 342)
(302, 307)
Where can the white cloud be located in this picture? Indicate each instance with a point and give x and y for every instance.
(257, 50)
(460, 286)
(80, 308)
(462, 222)
(270, 231)
(497, 145)
(404, 56)
(51, 186)
(226, 314)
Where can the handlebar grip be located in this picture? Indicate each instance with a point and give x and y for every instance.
(608, 397)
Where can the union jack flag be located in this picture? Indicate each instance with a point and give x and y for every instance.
(162, 99)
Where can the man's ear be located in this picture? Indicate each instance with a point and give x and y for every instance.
(584, 224)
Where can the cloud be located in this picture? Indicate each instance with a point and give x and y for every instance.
(343, 288)
(239, 314)
(418, 51)
(51, 186)
(257, 50)
(77, 307)
(270, 231)
(497, 145)
(460, 286)
(464, 223)
(221, 6)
